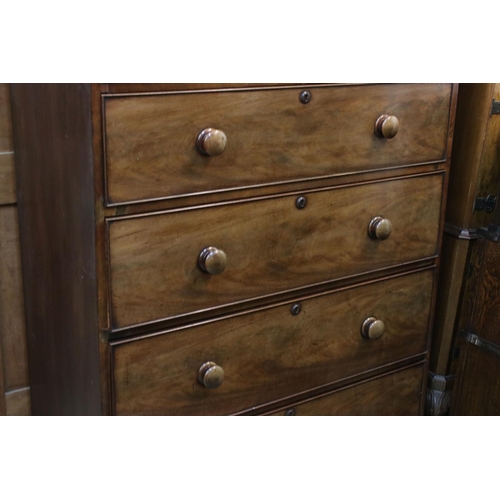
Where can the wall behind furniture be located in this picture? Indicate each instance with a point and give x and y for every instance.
(14, 380)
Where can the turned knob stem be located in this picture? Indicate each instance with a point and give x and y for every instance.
(211, 142)
(212, 260)
(379, 228)
(372, 328)
(210, 375)
(386, 126)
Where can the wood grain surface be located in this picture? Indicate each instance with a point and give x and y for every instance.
(169, 87)
(18, 403)
(488, 181)
(485, 319)
(12, 324)
(54, 173)
(478, 375)
(274, 144)
(474, 173)
(150, 141)
(13, 355)
(5, 119)
(262, 191)
(478, 379)
(467, 304)
(270, 354)
(271, 246)
(453, 272)
(7, 179)
(2, 385)
(473, 111)
(396, 394)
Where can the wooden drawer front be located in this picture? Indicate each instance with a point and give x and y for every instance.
(271, 353)
(151, 152)
(397, 394)
(271, 246)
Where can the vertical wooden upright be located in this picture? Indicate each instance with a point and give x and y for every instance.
(472, 196)
(14, 382)
(58, 244)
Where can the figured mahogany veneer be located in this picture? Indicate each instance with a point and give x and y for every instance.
(151, 141)
(270, 244)
(272, 353)
(396, 394)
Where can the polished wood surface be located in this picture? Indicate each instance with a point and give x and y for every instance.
(396, 394)
(171, 87)
(7, 179)
(13, 355)
(2, 386)
(12, 325)
(479, 384)
(485, 319)
(474, 173)
(272, 353)
(478, 375)
(455, 254)
(262, 191)
(473, 111)
(5, 119)
(52, 131)
(488, 178)
(100, 247)
(18, 403)
(467, 304)
(271, 246)
(106, 279)
(150, 141)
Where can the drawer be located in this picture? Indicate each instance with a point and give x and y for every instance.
(271, 246)
(396, 394)
(151, 141)
(273, 352)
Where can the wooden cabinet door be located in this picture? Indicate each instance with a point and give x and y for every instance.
(477, 389)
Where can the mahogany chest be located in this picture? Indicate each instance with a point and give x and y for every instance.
(466, 309)
(214, 249)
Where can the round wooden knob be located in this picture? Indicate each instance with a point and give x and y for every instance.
(211, 142)
(372, 328)
(379, 228)
(387, 126)
(212, 260)
(210, 375)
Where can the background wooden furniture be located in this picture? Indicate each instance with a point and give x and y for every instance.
(477, 341)
(14, 382)
(477, 388)
(332, 241)
(472, 198)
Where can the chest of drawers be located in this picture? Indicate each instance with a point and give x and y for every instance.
(230, 249)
